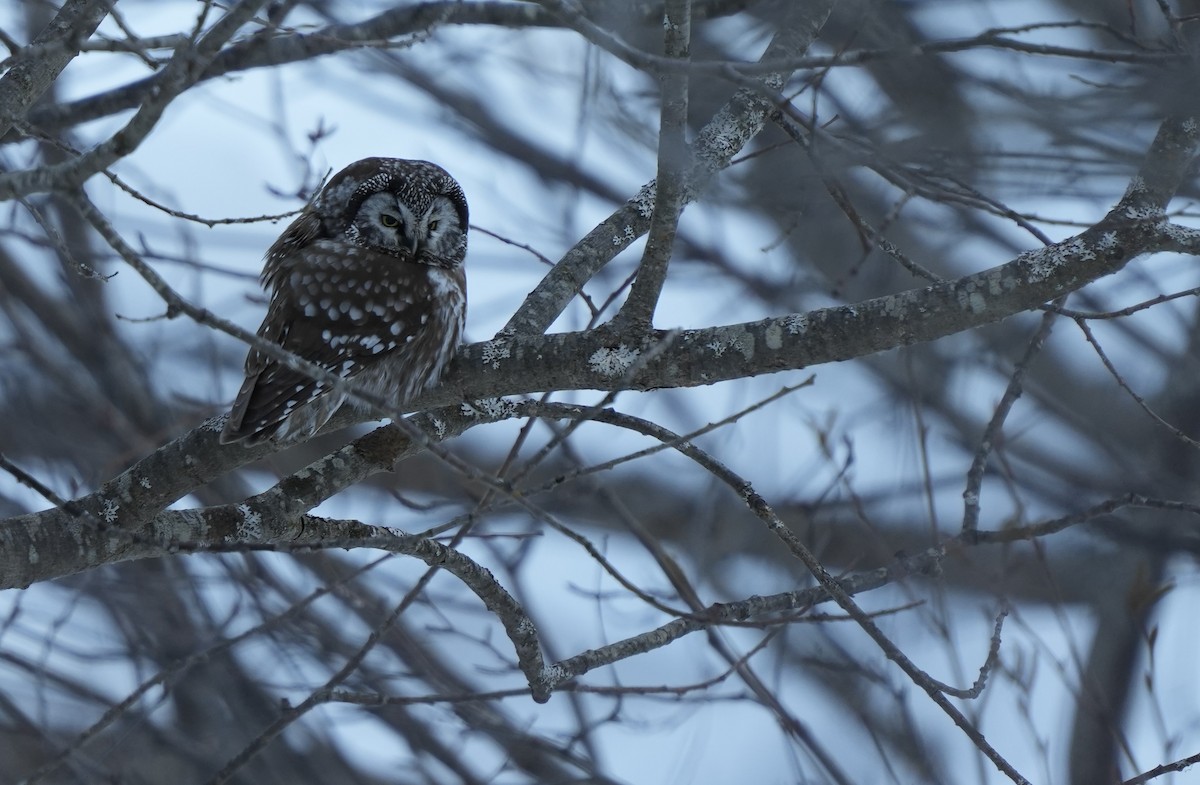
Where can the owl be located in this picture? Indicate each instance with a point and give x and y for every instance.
(367, 283)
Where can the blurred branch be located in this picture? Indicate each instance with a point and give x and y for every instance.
(182, 71)
(993, 38)
(721, 138)
(289, 47)
(762, 510)
(165, 676)
(260, 52)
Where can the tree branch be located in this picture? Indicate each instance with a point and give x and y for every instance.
(600, 360)
(260, 52)
(55, 46)
(723, 137)
(673, 162)
(183, 70)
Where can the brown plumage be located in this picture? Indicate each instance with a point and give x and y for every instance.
(367, 283)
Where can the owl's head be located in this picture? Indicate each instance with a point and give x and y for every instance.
(409, 209)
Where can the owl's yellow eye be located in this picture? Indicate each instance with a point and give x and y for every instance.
(390, 221)
(433, 225)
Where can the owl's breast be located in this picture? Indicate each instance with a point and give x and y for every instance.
(425, 334)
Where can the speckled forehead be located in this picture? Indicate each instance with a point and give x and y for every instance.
(374, 184)
(349, 188)
(359, 180)
(414, 182)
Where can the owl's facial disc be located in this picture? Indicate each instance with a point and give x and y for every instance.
(400, 225)
(439, 219)
(427, 230)
(383, 222)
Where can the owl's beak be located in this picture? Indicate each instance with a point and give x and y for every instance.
(411, 242)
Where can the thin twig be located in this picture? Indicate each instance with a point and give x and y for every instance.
(1139, 400)
(761, 509)
(991, 433)
(34, 484)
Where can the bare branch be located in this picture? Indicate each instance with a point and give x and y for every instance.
(716, 144)
(30, 77)
(670, 193)
(992, 432)
(183, 70)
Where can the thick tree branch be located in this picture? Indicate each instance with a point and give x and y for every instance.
(55, 46)
(910, 149)
(599, 360)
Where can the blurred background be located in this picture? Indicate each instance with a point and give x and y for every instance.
(962, 131)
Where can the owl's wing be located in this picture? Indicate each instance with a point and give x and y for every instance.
(340, 313)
